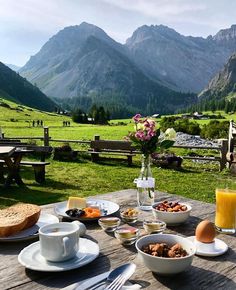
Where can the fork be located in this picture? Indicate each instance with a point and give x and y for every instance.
(117, 283)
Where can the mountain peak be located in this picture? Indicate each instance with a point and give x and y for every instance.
(226, 37)
(69, 39)
(80, 32)
(152, 32)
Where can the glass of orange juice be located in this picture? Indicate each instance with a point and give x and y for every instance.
(225, 217)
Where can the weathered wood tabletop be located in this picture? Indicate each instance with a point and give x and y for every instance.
(6, 151)
(205, 273)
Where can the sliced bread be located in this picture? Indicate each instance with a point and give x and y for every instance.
(30, 211)
(17, 218)
(11, 222)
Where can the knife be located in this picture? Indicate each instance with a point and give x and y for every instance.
(86, 284)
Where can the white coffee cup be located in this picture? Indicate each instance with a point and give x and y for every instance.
(60, 241)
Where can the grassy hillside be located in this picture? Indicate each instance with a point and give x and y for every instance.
(15, 115)
(14, 87)
(15, 119)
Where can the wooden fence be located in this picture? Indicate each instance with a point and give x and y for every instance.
(222, 148)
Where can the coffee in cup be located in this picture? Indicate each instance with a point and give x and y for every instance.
(59, 241)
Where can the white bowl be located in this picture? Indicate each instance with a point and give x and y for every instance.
(166, 266)
(172, 218)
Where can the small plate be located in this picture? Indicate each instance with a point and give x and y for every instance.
(31, 258)
(216, 248)
(30, 233)
(107, 208)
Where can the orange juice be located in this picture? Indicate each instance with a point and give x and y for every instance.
(225, 217)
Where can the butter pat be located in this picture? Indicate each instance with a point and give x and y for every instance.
(127, 232)
(76, 202)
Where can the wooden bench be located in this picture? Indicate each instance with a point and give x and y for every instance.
(39, 169)
(43, 151)
(111, 147)
(15, 143)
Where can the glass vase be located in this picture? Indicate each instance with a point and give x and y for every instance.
(145, 185)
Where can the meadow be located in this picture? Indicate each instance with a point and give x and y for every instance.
(84, 178)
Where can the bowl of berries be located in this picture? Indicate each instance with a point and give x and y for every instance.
(171, 212)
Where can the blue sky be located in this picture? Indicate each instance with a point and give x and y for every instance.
(25, 25)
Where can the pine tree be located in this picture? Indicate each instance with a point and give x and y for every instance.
(227, 108)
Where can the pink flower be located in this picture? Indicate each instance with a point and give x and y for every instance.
(151, 133)
(140, 135)
(148, 123)
(136, 118)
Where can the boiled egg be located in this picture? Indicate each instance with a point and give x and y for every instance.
(205, 232)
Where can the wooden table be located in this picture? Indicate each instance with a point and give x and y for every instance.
(205, 273)
(12, 157)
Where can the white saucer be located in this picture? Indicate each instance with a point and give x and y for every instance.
(30, 233)
(216, 248)
(31, 258)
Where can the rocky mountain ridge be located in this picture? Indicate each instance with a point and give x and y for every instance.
(224, 83)
(226, 38)
(184, 63)
(84, 63)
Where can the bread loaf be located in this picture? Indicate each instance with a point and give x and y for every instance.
(17, 218)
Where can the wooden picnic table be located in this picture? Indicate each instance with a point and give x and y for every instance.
(205, 272)
(12, 157)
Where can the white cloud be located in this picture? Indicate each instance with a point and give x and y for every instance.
(158, 8)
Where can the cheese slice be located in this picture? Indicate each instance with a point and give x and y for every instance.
(76, 202)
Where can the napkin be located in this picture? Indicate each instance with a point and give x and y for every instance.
(90, 282)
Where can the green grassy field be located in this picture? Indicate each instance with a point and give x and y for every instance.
(84, 178)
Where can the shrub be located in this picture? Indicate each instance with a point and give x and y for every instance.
(120, 123)
(167, 122)
(215, 129)
(180, 125)
(5, 105)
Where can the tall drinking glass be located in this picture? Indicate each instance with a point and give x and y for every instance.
(225, 217)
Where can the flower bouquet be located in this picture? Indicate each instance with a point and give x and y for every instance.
(147, 138)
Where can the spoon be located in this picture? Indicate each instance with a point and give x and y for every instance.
(127, 270)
